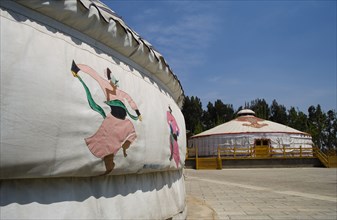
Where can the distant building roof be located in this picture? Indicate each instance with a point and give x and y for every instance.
(246, 112)
(246, 122)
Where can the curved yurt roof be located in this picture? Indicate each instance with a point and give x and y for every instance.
(96, 20)
(247, 122)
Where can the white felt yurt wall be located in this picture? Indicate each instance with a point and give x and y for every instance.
(243, 131)
(49, 170)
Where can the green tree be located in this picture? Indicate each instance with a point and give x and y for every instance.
(302, 122)
(198, 128)
(209, 116)
(292, 117)
(217, 114)
(260, 107)
(316, 125)
(223, 112)
(297, 120)
(229, 112)
(330, 131)
(192, 111)
(278, 113)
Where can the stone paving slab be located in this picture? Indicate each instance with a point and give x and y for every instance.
(275, 193)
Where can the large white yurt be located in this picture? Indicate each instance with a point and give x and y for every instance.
(250, 136)
(91, 126)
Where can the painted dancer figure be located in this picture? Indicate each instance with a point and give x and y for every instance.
(174, 133)
(116, 130)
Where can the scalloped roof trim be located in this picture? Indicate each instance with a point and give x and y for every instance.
(99, 22)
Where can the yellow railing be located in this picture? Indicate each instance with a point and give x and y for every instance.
(202, 162)
(321, 156)
(249, 152)
(234, 152)
(328, 160)
(292, 152)
(252, 152)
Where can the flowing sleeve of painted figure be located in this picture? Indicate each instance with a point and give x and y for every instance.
(101, 81)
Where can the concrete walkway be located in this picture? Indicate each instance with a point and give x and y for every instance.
(266, 193)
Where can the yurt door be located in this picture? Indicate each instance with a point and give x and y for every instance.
(261, 148)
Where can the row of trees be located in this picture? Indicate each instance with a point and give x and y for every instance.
(322, 126)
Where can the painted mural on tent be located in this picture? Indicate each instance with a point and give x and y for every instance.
(116, 130)
(252, 122)
(174, 133)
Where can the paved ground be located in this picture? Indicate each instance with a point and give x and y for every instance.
(271, 193)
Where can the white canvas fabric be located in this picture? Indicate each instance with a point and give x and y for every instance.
(46, 118)
(159, 195)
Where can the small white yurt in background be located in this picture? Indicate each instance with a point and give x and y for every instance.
(250, 136)
(91, 126)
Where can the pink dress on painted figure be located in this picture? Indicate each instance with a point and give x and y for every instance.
(174, 133)
(116, 131)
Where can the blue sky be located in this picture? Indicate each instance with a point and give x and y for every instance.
(238, 51)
